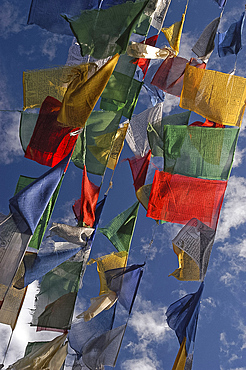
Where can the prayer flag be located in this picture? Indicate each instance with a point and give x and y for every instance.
(161, 8)
(104, 32)
(188, 270)
(230, 42)
(204, 46)
(170, 75)
(217, 96)
(82, 95)
(196, 240)
(177, 199)
(27, 124)
(120, 230)
(117, 146)
(139, 168)
(73, 234)
(180, 360)
(143, 195)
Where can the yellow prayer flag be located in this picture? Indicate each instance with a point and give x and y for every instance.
(217, 96)
(188, 269)
(143, 195)
(117, 146)
(81, 96)
(102, 147)
(174, 32)
(180, 360)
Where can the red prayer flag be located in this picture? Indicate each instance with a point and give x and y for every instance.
(177, 198)
(50, 142)
(143, 63)
(84, 208)
(170, 75)
(139, 167)
(207, 123)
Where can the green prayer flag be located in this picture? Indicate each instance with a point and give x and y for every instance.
(38, 235)
(100, 131)
(120, 230)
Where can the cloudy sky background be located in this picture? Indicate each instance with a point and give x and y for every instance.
(148, 344)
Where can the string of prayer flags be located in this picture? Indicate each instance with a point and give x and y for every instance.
(204, 46)
(117, 146)
(72, 234)
(177, 199)
(174, 32)
(50, 142)
(27, 124)
(182, 317)
(108, 262)
(38, 84)
(139, 168)
(217, 96)
(136, 135)
(120, 230)
(82, 95)
(196, 240)
(105, 32)
(202, 152)
(155, 130)
(39, 232)
(90, 329)
(50, 355)
(170, 75)
(104, 349)
(230, 42)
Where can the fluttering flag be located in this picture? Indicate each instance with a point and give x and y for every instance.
(50, 355)
(84, 208)
(73, 234)
(104, 349)
(196, 240)
(136, 135)
(104, 32)
(161, 8)
(38, 84)
(174, 32)
(170, 75)
(230, 42)
(50, 142)
(143, 195)
(155, 131)
(202, 152)
(100, 132)
(90, 329)
(82, 95)
(125, 282)
(98, 304)
(120, 230)
(217, 96)
(117, 146)
(27, 124)
(182, 317)
(177, 199)
(204, 46)
(188, 270)
(139, 168)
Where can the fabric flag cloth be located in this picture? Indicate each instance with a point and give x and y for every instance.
(196, 240)
(170, 75)
(34, 266)
(50, 142)
(177, 199)
(117, 146)
(202, 152)
(207, 123)
(136, 135)
(94, 146)
(98, 304)
(84, 208)
(108, 262)
(120, 230)
(230, 42)
(104, 349)
(155, 131)
(31, 202)
(143, 195)
(204, 46)
(50, 355)
(38, 84)
(188, 270)
(27, 124)
(217, 96)
(161, 8)
(82, 95)
(221, 3)
(139, 168)
(182, 317)
(72, 234)
(105, 32)
(58, 291)
(174, 32)
(39, 232)
(125, 282)
(91, 329)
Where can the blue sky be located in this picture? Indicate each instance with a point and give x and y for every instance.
(148, 343)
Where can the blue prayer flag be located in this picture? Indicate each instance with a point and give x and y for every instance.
(230, 41)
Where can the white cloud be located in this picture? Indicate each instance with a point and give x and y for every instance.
(50, 46)
(143, 363)
(11, 21)
(238, 157)
(170, 103)
(9, 136)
